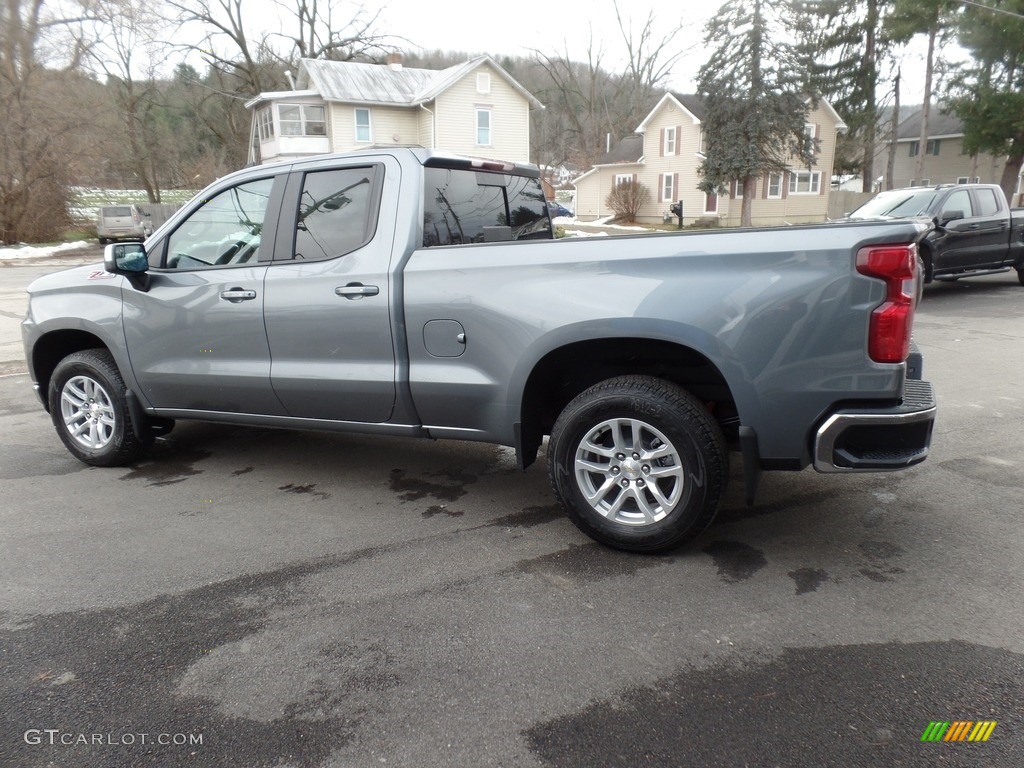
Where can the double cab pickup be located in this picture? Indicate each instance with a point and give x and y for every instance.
(403, 292)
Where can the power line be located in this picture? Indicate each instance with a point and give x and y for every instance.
(993, 9)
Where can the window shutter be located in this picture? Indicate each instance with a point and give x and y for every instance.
(661, 152)
(679, 136)
(634, 178)
(732, 190)
(822, 182)
(785, 185)
(675, 186)
(661, 187)
(764, 189)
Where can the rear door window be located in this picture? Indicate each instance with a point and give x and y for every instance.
(459, 203)
(334, 216)
(988, 205)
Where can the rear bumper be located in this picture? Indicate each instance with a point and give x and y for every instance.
(878, 440)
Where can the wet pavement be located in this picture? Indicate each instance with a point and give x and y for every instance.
(251, 597)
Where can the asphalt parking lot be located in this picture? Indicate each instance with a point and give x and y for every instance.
(248, 597)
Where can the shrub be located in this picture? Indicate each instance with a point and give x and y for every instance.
(627, 198)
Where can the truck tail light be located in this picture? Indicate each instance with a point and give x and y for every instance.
(892, 320)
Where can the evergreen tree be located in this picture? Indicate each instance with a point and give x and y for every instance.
(989, 95)
(755, 97)
(852, 50)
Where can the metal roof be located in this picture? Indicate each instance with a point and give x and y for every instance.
(360, 83)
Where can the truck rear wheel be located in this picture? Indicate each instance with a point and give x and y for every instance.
(638, 463)
(90, 410)
(1020, 276)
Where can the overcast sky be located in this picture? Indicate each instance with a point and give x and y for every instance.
(558, 25)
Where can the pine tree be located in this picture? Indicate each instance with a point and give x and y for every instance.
(755, 100)
(989, 96)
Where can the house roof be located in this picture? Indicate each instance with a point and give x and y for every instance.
(361, 83)
(627, 150)
(939, 124)
(694, 105)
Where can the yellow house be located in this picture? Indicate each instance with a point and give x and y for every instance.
(475, 108)
(666, 151)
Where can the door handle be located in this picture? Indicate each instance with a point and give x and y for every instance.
(236, 295)
(356, 290)
(974, 226)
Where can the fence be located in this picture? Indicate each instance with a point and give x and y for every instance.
(159, 212)
(842, 202)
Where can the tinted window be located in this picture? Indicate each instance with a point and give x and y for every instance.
(118, 210)
(959, 201)
(225, 231)
(987, 203)
(458, 204)
(333, 214)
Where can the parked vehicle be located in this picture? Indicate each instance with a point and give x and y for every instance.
(975, 232)
(121, 222)
(374, 292)
(557, 209)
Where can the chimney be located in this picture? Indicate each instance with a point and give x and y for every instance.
(394, 61)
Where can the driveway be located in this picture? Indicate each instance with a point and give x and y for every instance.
(249, 597)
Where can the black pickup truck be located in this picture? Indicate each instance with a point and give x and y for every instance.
(975, 232)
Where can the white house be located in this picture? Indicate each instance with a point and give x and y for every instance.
(475, 108)
(666, 151)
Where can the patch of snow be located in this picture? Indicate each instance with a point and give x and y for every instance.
(578, 233)
(39, 251)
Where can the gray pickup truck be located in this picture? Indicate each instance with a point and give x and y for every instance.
(402, 292)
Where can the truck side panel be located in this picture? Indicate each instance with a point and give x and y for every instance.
(785, 325)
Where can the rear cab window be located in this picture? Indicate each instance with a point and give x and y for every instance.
(466, 203)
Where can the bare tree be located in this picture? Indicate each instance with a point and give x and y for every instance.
(127, 51)
(591, 102)
(38, 116)
(322, 31)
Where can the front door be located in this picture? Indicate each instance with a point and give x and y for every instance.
(196, 338)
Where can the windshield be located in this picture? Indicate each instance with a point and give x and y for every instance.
(896, 203)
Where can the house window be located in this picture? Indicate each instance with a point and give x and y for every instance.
(961, 179)
(265, 124)
(623, 178)
(667, 189)
(737, 187)
(710, 202)
(483, 127)
(804, 182)
(700, 143)
(810, 129)
(670, 141)
(301, 120)
(483, 82)
(932, 147)
(920, 182)
(915, 147)
(775, 185)
(363, 131)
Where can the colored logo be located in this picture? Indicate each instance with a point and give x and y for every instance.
(959, 730)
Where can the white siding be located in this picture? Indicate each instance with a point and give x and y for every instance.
(593, 189)
(388, 125)
(510, 119)
(946, 167)
(683, 162)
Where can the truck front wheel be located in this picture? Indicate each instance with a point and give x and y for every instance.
(638, 463)
(90, 410)
(1020, 276)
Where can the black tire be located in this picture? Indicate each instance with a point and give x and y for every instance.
(651, 499)
(90, 411)
(1020, 276)
(103, 240)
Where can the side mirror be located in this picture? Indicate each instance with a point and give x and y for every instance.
(130, 260)
(125, 258)
(947, 216)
